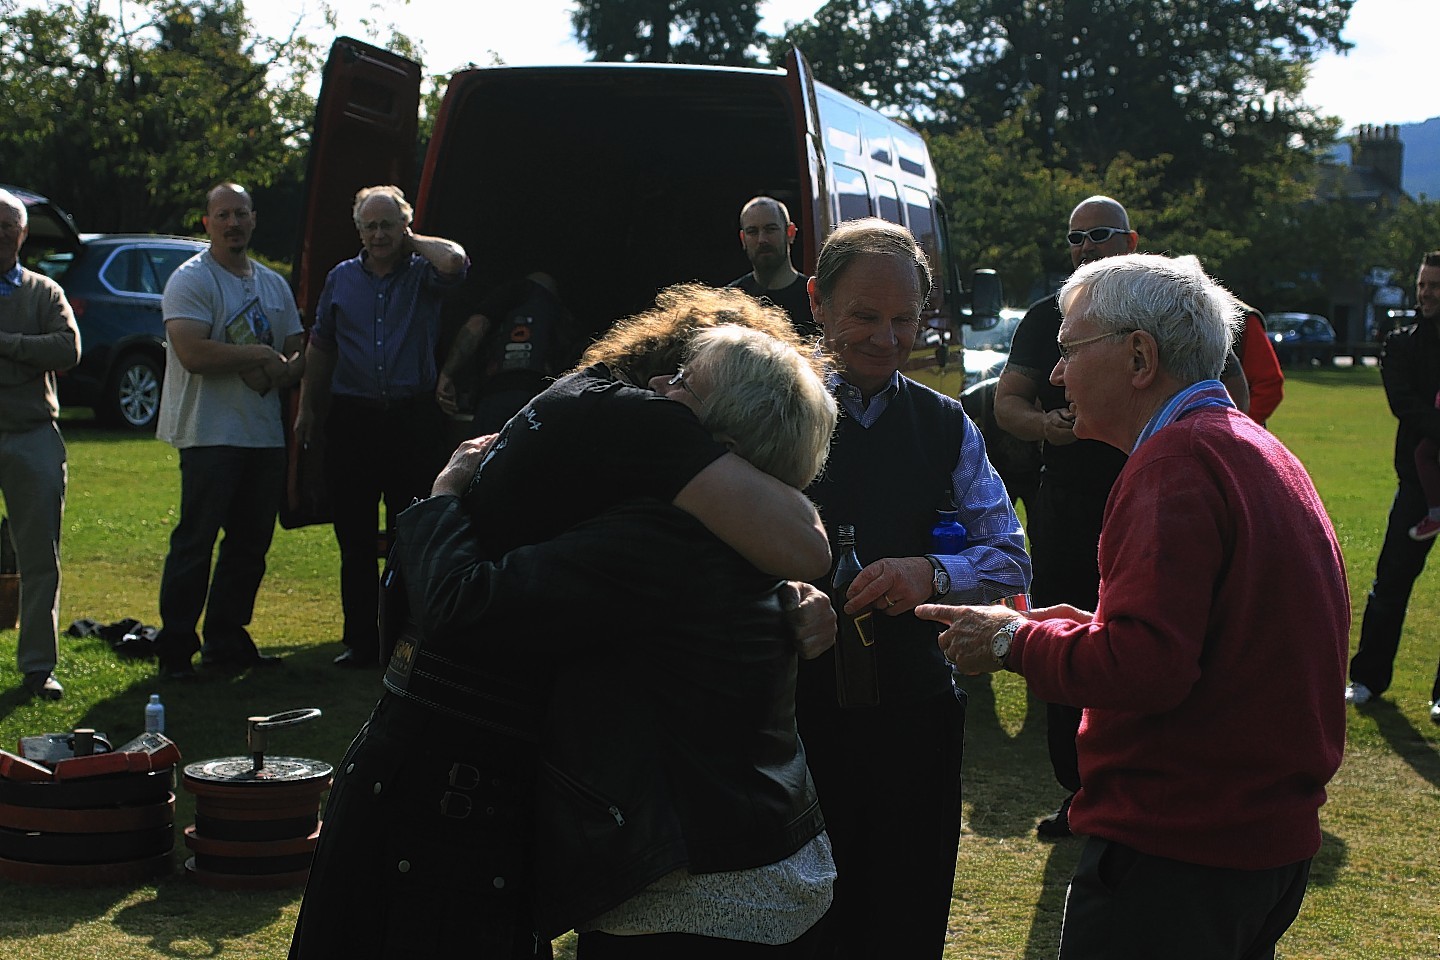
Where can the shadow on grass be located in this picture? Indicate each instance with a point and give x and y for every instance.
(184, 919)
(1407, 742)
(1007, 775)
(12, 699)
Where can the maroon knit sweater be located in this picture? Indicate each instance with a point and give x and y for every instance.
(1213, 673)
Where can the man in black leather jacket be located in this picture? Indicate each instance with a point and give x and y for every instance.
(1410, 367)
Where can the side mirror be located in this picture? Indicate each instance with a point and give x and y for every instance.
(987, 296)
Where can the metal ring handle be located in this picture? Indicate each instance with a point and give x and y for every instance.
(286, 719)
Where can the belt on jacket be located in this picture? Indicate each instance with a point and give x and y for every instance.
(461, 690)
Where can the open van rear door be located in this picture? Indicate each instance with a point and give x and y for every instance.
(364, 134)
(813, 217)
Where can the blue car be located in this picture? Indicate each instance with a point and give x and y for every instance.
(1301, 339)
(114, 284)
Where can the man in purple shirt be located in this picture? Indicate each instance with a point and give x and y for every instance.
(368, 396)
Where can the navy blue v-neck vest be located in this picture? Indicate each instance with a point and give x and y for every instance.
(887, 480)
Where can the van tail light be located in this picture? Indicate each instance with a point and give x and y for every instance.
(77, 306)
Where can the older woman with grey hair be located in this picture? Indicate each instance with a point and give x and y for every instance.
(1209, 671)
(634, 647)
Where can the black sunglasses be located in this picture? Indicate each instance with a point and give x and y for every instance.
(1096, 235)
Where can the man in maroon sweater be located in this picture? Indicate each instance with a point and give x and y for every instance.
(1220, 575)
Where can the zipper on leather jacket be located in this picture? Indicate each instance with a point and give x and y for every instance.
(587, 795)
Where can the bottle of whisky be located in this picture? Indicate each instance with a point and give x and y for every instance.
(857, 682)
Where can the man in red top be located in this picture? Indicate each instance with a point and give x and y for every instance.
(1202, 777)
(1262, 367)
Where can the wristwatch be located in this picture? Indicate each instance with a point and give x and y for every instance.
(940, 581)
(1000, 643)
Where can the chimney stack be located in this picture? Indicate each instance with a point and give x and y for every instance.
(1380, 149)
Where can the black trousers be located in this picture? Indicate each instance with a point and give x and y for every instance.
(889, 784)
(1064, 540)
(1127, 905)
(375, 452)
(1401, 560)
(232, 489)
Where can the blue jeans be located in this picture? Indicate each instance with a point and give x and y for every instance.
(237, 490)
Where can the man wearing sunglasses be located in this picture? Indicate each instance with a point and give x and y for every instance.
(1076, 475)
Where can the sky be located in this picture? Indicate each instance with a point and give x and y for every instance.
(1386, 78)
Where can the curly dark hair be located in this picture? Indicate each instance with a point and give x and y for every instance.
(658, 340)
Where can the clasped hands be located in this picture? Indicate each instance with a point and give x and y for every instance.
(274, 371)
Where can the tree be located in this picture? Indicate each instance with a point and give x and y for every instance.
(720, 32)
(127, 123)
(1212, 83)
(897, 56)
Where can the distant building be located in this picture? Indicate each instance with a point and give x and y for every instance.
(1374, 178)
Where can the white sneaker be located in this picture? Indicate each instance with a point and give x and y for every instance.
(1435, 712)
(1358, 693)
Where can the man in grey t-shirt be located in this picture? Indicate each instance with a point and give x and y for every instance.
(233, 340)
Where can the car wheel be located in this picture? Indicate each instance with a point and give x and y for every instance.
(132, 399)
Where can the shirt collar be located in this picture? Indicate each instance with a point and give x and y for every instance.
(848, 391)
(1206, 393)
(13, 275)
(401, 265)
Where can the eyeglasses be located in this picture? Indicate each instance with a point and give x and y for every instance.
(1095, 235)
(1067, 350)
(371, 226)
(681, 379)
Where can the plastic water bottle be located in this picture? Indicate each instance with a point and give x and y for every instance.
(948, 536)
(154, 715)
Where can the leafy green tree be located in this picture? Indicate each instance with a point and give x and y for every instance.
(1410, 232)
(126, 121)
(721, 32)
(1212, 86)
(898, 56)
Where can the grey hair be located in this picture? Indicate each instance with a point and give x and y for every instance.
(8, 199)
(397, 195)
(767, 399)
(869, 236)
(1191, 316)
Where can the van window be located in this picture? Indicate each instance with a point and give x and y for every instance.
(887, 198)
(922, 220)
(844, 139)
(912, 156)
(852, 196)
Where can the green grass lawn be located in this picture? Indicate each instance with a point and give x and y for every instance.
(1373, 892)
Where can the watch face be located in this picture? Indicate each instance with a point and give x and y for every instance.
(1000, 645)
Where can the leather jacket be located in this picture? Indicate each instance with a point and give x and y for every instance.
(667, 680)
